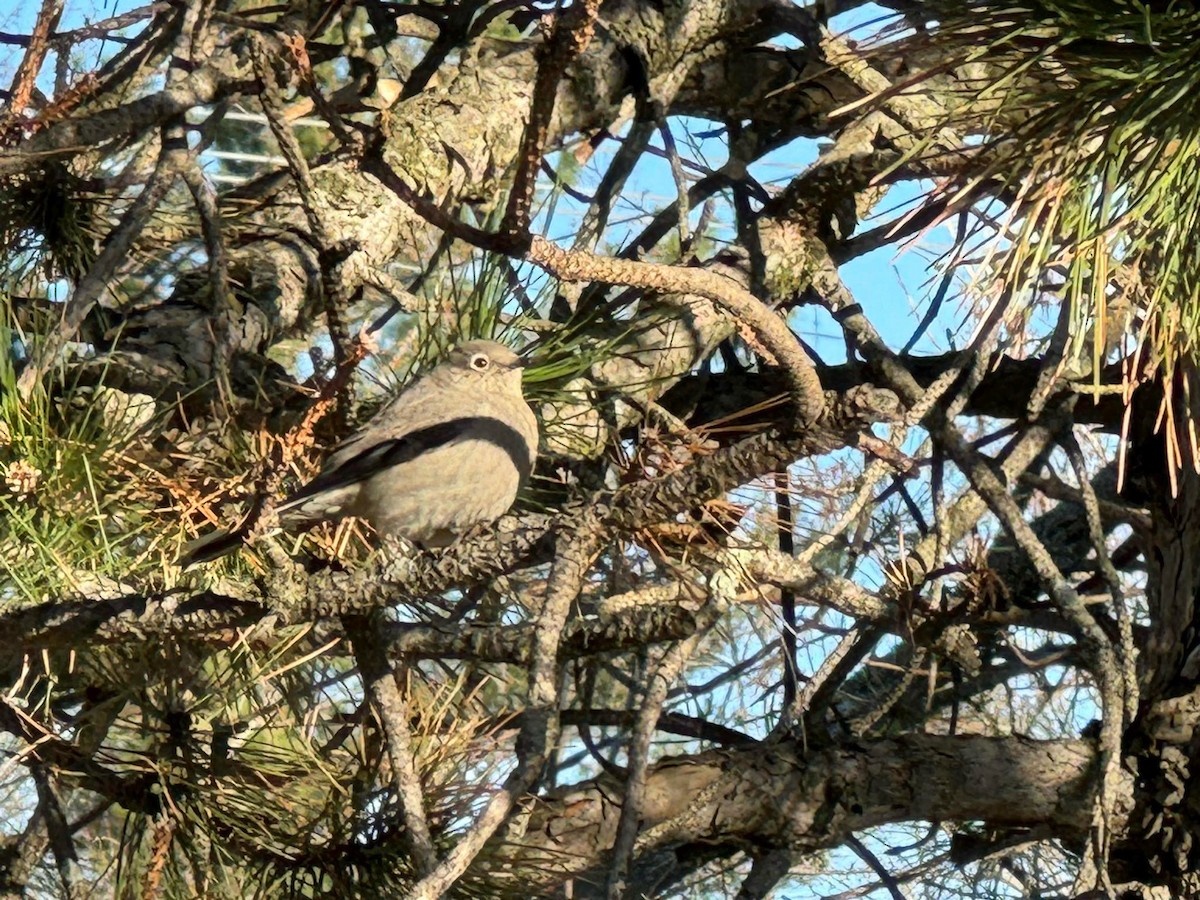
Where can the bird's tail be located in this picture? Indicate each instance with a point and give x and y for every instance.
(209, 547)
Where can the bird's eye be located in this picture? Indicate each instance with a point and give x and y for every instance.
(479, 362)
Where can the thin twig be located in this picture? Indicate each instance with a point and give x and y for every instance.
(391, 707)
(540, 726)
(787, 597)
(223, 302)
(766, 871)
(885, 877)
(332, 253)
(67, 137)
(772, 331)
(664, 675)
(66, 860)
(31, 63)
(570, 35)
(404, 297)
(1119, 688)
(587, 691)
(681, 186)
(620, 167)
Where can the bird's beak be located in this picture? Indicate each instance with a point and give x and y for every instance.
(522, 363)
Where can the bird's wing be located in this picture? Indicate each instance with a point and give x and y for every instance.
(375, 455)
(422, 401)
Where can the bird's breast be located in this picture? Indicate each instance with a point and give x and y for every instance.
(447, 490)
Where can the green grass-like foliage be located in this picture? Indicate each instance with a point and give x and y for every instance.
(1090, 113)
(69, 523)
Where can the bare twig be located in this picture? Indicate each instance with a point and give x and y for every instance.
(58, 832)
(570, 35)
(204, 86)
(670, 723)
(785, 527)
(392, 710)
(332, 253)
(224, 303)
(665, 674)
(595, 218)
(264, 58)
(31, 63)
(101, 29)
(885, 877)
(1117, 676)
(766, 871)
(776, 337)
(681, 186)
(541, 726)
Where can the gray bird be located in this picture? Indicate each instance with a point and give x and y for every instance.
(448, 453)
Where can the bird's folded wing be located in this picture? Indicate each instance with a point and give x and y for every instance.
(384, 454)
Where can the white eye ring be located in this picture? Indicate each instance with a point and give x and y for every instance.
(479, 362)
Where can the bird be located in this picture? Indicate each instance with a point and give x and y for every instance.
(447, 454)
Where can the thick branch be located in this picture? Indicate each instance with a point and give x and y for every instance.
(775, 797)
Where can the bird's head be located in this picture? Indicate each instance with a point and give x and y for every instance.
(486, 362)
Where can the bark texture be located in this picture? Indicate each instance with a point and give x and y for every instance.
(781, 579)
